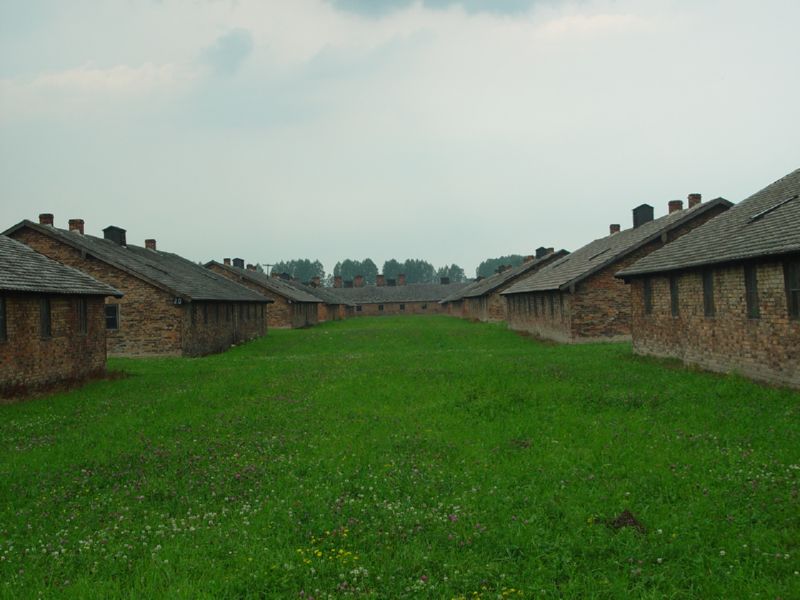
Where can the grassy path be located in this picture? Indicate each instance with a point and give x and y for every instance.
(403, 458)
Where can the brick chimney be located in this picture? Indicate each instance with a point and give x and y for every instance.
(348, 283)
(445, 281)
(401, 279)
(358, 281)
(275, 275)
(550, 251)
(529, 258)
(380, 280)
(642, 214)
(150, 244)
(46, 219)
(695, 199)
(613, 228)
(226, 261)
(315, 281)
(251, 267)
(675, 206)
(238, 263)
(541, 251)
(285, 276)
(337, 281)
(76, 225)
(115, 234)
(391, 282)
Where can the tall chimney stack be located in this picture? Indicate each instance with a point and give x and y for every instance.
(445, 281)
(613, 228)
(675, 206)
(358, 281)
(401, 279)
(550, 251)
(315, 281)
(46, 219)
(337, 281)
(76, 225)
(238, 263)
(541, 251)
(150, 244)
(251, 267)
(380, 280)
(528, 258)
(115, 234)
(694, 200)
(642, 214)
(226, 261)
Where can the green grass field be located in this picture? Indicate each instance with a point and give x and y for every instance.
(403, 458)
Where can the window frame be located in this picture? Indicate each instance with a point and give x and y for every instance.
(647, 295)
(115, 306)
(3, 319)
(45, 318)
(791, 270)
(380, 307)
(751, 299)
(709, 307)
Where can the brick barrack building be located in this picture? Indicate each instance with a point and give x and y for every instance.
(577, 298)
(726, 296)
(52, 323)
(293, 307)
(394, 297)
(171, 306)
(481, 300)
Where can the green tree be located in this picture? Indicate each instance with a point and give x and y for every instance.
(392, 268)
(301, 269)
(453, 272)
(419, 271)
(490, 265)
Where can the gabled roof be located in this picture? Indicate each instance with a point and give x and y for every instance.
(765, 224)
(412, 292)
(597, 255)
(325, 294)
(276, 285)
(497, 280)
(22, 269)
(164, 270)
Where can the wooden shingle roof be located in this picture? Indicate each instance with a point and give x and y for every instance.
(597, 255)
(489, 284)
(164, 270)
(276, 285)
(22, 269)
(765, 224)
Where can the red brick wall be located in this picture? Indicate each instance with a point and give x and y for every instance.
(531, 313)
(281, 314)
(27, 361)
(393, 308)
(767, 348)
(489, 308)
(210, 327)
(150, 322)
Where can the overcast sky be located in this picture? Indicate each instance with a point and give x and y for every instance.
(441, 129)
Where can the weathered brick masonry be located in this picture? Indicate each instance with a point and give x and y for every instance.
(52, 325)
(578, 299)
(29, 361)
(153, 321)
(765, 348)
(726, 296)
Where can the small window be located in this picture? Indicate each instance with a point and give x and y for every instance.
(83, 316)
(751, 292)
(3, 329)
(112, 316)
(424, 307)
(647, 292)
(708, 293)
(673, 296)
(45, 321)
(791, 272)
(358, 308)
(380, 307)
(402, 307)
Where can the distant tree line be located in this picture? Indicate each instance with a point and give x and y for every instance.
(415, 270)
(301, 269)
(490, 265)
